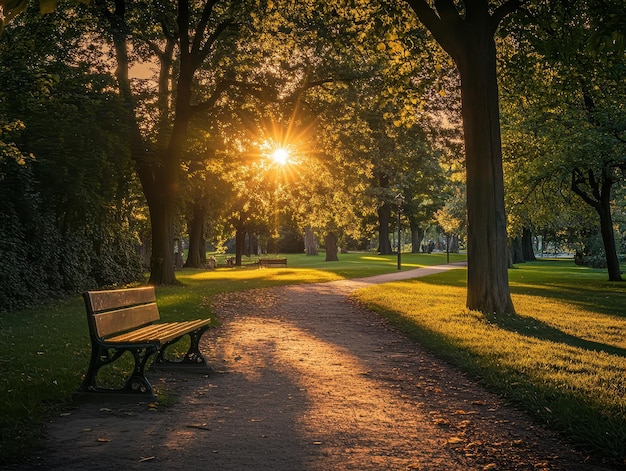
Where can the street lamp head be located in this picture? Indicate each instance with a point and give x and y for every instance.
(399, 200)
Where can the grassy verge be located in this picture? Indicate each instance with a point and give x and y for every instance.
(44, 351)
(562, 356)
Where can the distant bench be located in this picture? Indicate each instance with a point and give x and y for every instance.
(272, 262)
(126, 320)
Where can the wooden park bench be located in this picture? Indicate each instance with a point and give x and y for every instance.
(272, 262)
(127, 320)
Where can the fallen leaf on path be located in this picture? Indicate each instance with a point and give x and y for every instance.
(103, 440)
(441, 421)
(198, 426)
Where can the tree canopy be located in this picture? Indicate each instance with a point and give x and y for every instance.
(126, 126)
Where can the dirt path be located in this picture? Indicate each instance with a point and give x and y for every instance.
(306, 380)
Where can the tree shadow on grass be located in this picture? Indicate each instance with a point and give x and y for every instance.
(531, 327)
(576, 295)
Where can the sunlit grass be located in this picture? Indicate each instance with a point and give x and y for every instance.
(562, 356)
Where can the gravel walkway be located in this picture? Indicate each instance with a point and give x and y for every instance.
(307, 380)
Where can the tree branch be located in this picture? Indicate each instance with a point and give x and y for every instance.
(203, 54)
(183, 26)
(444, 24)
(447, 12)
(577, 179)
(202, 25)
(428, 17)
(260, 91)
(210, 103)
(503, 11)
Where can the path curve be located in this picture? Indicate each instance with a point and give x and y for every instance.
(308, 380)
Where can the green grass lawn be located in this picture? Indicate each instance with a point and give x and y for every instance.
(561, 356)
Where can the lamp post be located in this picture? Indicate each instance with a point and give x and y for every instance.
(399, 202)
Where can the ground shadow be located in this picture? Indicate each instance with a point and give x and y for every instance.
(531, 327)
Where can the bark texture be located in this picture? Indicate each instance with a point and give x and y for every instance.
(310, 241)
(384, 217)
(469, 39)
(331, 247)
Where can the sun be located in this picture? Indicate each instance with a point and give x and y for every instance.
(280, 156)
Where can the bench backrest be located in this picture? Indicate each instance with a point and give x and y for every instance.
(112, 311)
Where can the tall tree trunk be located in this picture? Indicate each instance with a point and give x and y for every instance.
(158, 169)
(384, 217)
(468, 37)
(517, 254)
(527, 245)
(158, 182)
(310, 241)
(600, 200)
(454, 244)
(608, 239)
(253, 244)
(196, 238)
(417, 235)
(178, 254)
(162, 257)
(487, 252)
(330, 241)
(240, 244)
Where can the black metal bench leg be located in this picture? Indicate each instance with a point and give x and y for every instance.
(137, 384)
(193, 359)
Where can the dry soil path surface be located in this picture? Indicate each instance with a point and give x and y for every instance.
(307, 380)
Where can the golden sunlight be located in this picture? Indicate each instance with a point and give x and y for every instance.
(280, 156)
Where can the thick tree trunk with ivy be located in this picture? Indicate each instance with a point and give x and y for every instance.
(468, 36)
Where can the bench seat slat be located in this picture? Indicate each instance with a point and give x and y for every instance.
(161, 333)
